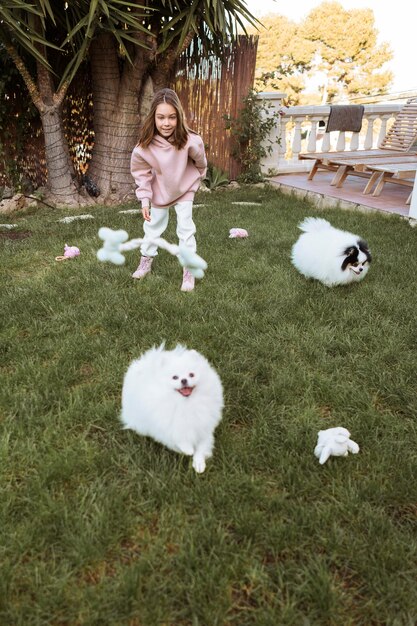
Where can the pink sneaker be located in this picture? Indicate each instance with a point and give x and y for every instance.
(144, 268)
(187, 281)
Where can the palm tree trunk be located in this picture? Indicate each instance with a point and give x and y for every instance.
(61, 186)
(116, 98)
(163, 70)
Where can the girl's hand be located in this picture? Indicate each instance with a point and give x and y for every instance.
(146, 214)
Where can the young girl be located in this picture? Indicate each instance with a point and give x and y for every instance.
(167, 164)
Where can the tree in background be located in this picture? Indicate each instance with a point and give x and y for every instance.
(283, 58)
(347, 52)
(333, 46)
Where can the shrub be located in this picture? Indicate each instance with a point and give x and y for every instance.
(215, 177)
(250, 131)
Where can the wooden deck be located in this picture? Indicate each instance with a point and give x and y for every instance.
(319, 191)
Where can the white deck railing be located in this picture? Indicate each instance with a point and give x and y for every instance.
(301, 129)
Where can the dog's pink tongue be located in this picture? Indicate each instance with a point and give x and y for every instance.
(186, 391)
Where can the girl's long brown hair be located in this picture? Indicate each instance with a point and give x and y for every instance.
(148, 130)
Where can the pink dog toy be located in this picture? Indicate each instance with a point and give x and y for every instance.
(69, 253)
(237, 233)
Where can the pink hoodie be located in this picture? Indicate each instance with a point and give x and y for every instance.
(165, 175)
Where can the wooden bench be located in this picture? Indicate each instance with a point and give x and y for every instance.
(399, 173)
(361, 166)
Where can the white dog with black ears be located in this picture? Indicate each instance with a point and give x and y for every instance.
(175, 397)
(329, 255)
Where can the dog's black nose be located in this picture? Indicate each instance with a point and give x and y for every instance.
(184, 381)
(361, 269)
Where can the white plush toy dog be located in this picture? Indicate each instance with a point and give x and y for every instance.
(334, 442)
(175, 397)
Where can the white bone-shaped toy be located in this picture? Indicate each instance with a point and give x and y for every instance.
(115, 242)
(334, 442)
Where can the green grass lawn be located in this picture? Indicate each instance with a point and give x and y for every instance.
(101, 527)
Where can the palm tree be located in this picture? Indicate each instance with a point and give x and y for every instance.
(24, 37)
(132, 46)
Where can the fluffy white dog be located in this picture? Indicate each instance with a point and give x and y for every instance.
(332, 256)
(175, 397)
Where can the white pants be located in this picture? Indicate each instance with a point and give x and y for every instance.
(159, 221)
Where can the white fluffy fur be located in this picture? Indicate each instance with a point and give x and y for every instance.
(153, 406)
(318, 253)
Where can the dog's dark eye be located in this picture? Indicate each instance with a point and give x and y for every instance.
(355, 264)
(191, 375)
(175, 377)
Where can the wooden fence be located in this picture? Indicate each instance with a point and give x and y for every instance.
(208, 89)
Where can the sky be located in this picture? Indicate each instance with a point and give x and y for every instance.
(395, 21)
